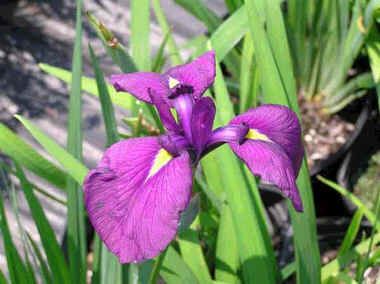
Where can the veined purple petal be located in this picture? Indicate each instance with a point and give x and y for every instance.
(202, 120)
(164, 111)
(198, 74)
(183, 104)
(174, 144)
(135, 196)
(278, 123)
(229, 133)
(269, 161)
(138, 84)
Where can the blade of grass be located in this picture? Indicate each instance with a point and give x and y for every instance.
(18, 272)
(245, 203)
(174, 270)
(105, 101)
(3, 279)
(76, 230)
(174, 54)
(246, 74)
(113, 47)
(288, 270)
(278, 85)
(13, 146)
(333, 267)
(192, 254)
(157, 267)
(227, 260)
(159, 59)
(355, 200)
(351, 233)
(371, 243)
(233, 5)
(373, 47)
(120, 99)
(110, 270)
(201, 12)
(21, 233)
(72, 165)
(48, 278)
(50, 244)
(139, 39)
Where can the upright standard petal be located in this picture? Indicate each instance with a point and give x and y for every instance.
(139, 83)
(135, 196)
(197, 75)
(202, 120)
(278, 124)
(272, 164)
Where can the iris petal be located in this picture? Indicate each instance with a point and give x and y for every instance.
(280, 125)
(202, 120)
(164, 111)
(199, 73)
(139, 83)
(272, 164)
(134, 209)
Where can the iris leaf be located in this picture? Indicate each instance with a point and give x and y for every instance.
(72, 165)
(123, 100)
(174, 54)
(227, 260)
(278, 85)
(54, 254)
(201, 12)
(355, 200)
(333, 267)
(351, 233)
(107, 268)
(16, 148)
(76, 231)
(139, 39)
(245, 203)
(18, 272)
(43, 265)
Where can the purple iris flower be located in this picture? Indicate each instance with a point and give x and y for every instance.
(135, 196)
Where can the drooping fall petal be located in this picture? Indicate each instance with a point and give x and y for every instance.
(135, 195)
(268, 161)
(272, 148)
(278, 124)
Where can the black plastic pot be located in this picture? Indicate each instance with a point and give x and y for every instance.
(360, 123)
(366, 144)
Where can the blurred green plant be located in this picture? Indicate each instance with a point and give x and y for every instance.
(327, 40)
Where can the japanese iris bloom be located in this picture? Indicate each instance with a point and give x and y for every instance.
(135, 196)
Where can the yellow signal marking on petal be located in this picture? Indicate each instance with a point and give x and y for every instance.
(173, 82)
(162, 158)
(255, 135)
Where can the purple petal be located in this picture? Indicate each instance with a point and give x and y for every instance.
(202, 120)
(198, 74)
(138, 84)
(183, 105)
(272, 164)
(134, 205)
(164, 111)
(228, 133)
(280, 124)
